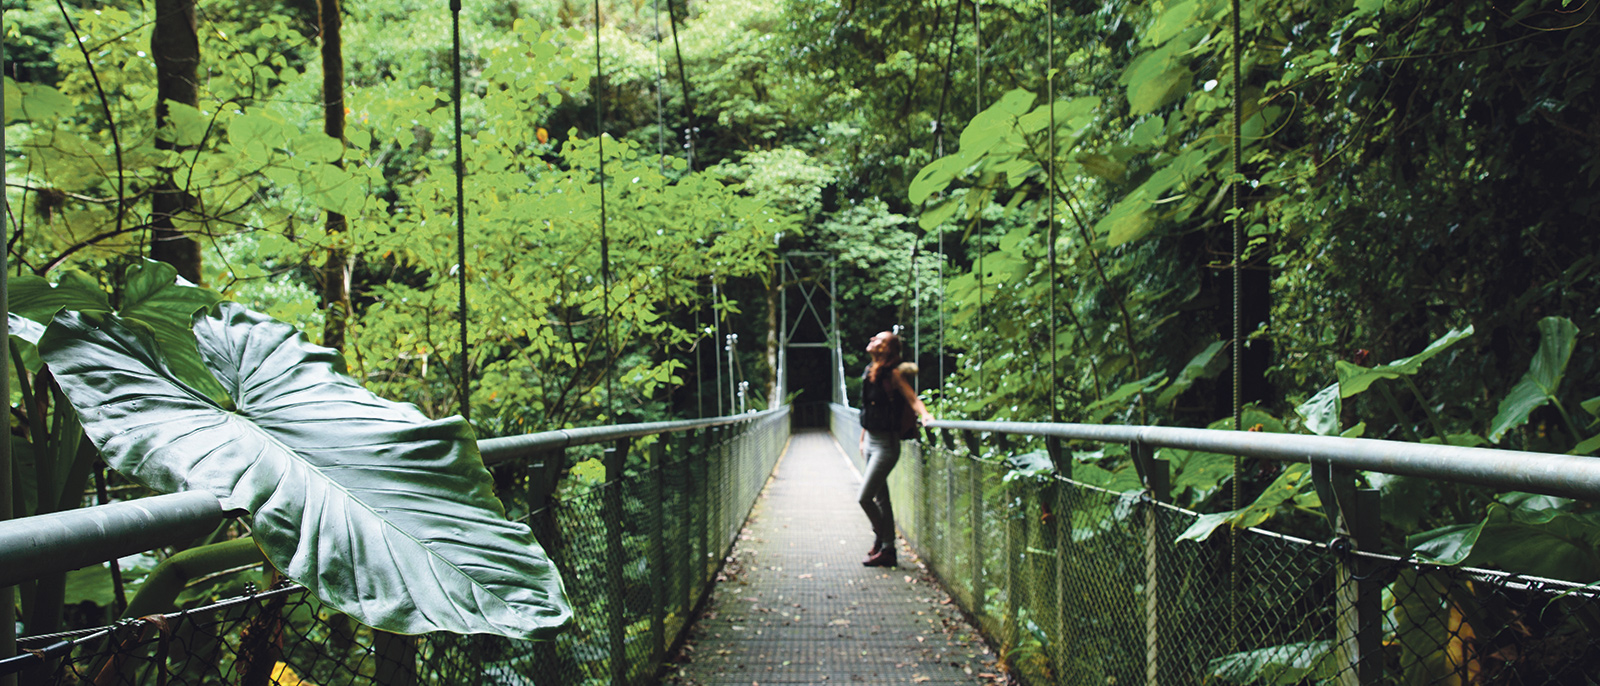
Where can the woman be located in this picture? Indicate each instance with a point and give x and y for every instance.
(885, 395)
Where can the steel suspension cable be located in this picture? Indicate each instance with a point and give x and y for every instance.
(605, 244)
(461, 207)
(938, 145)
(1238, 329)
(1050, 250)
(688, 97)
(977, 62)
(689, 136)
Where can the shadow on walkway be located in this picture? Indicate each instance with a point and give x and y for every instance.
(795, 606)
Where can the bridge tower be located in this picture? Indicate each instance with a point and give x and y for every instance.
(809, 331)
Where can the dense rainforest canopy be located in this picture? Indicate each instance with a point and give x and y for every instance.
(1042, 192)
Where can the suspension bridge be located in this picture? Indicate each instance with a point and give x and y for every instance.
(739, 531)
(1069, 580)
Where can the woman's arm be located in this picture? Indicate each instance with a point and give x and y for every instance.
(899, 383)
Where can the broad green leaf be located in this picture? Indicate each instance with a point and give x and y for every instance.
(1293, 663)
(154, 295)
(1540, 542)
(1103, 166)
(258, 128)
(1205, 525)
(91, 584)
(25, 329)
(938, 214)
(1148, 132)
(1557, 336)
(1354, 379)
(1205, 472)
(1204, 365)
(13, 101)
(1465, 440)
(1146, 95)
(33, 297)
(1365, 7)
(995, 123)
(1288, 485)
(1321, 412)
(1447, 545)
(1100, 409)
(1120, 481)
(1406, 499)
(1128, 220)
(1172, 22)
(1587, 447)
(1034, 465)
(1592, 406)
(185, 126)
(318, 147)
(36, 102)
(385, 514)
(938, 174)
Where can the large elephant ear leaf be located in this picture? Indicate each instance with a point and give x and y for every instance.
(383, 513)
(1557, 338)
(153, 294)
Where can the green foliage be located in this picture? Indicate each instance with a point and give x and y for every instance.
(303, 445)
(1523, 534)
(1557, 338)
(1293, 663)
(1354, 378)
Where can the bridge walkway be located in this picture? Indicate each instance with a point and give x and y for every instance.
(795, 606)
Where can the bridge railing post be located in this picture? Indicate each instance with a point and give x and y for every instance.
(612, 513)
(700, 508)
(1057, 522)
(657, 552)
(1158, 486)
(975, 518)
(684, 513)
(1358, 601)
(1015, 534)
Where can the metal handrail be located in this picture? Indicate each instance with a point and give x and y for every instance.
(506, 448)
(1565, 476)
(31, 547)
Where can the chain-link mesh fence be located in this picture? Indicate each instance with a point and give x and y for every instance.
(636, 555)
(1079, 585)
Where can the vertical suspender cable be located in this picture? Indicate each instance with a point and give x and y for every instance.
(699, 377)
(461, 207)
(1050, 195)
(1238, 323)
(661, 166)
(661, 120)
(716, 342)
(688, 102)
(8, 626)
(938, 152)
(977, 62)
(605, 244)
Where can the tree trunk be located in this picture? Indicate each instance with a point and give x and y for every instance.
(175, 48)
(335, 272)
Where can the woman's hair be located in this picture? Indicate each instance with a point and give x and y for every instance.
(893, 345)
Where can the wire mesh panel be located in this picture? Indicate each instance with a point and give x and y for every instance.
(1079, 585)
(636, 555)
